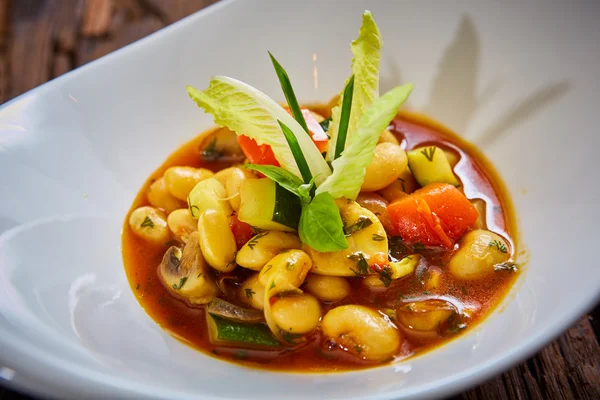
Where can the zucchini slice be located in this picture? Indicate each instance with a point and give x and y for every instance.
(224, 332)
(266, 205)
(429, 165)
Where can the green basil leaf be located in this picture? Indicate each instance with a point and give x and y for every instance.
(285, 178)
(306, 191)
(321, 225)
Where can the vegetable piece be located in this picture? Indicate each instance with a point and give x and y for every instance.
(430, 165)
(327, 288)
(365, 71)
(362, 331)
(284, 178)
(477, 255)
(387, 273)
(185, 273)
(299, 314)
(319, 137)
(282, 277)
(181, 180)
(344, 118)
(224, 309)
(250, 112)
(149, 224)
(241, 231)
(321, 226)
(435, 215)
(365, 246)
(223, 332)
(288, 91)
(208, 194)
(256, 154)
(266, 205)
(159, 197)
(181, 223)
(424, 315)
(260, 249)
(349, 170)
(389, 162)
(252, 293)
(216, 240)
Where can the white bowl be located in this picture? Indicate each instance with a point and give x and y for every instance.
(519, 80)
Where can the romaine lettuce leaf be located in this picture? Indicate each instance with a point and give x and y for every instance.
(365, 67)
(247, 111)
(349, 169)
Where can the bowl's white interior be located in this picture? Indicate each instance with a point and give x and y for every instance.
(518, 80)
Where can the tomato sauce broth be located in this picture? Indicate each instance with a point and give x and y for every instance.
(477, 299)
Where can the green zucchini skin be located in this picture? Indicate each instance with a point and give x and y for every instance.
(287, 207)
(223, 332)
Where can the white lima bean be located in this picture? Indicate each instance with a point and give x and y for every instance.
(370, 241)
(363, 331)
(182, 224)
(234, 183)
(389, 161)
(181, 180)
(263, 247)
(208, 194)
(216, 240)
(479, 251)
(296, 314)
(159, 197)
(149, 224)
(252, 293)
(327, 288)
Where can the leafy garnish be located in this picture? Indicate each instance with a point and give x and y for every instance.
(361, 223)
(249, 292)
(284, 178)
(362, 266)
(147, 223)
(254, 241)
(344, 118)
(428, 152)
(349, 170)
(365, 69)
(288, 91)
(182, 282)
(296, 152)
(247, 111)
(321, 225)
(499, 245)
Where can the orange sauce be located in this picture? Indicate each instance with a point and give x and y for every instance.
(479, 181)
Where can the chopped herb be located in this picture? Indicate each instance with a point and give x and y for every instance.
(254, 241)
(325, 124)
(249, 292)
(498, 244)
(182, 282)
(497, 209)
(377, 237)
(361, 264)
(137, 287)
(358, 348)
(290, 265)
(272, 285)
(147, 222)
(194, 210)
(361, 223)
(267, 268)
(232, 262)
(429, 152)
(256, 230)
(403, 182)
(456, 323)
(240, 354)
(506, 266)
(409, 308)
(210, 152)
(290, 337)
(199, 275)
(385, 276)
(425, 292)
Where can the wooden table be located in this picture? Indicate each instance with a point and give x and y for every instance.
(42, 39)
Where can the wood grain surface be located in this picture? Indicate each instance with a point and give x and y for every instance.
(42, 39)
